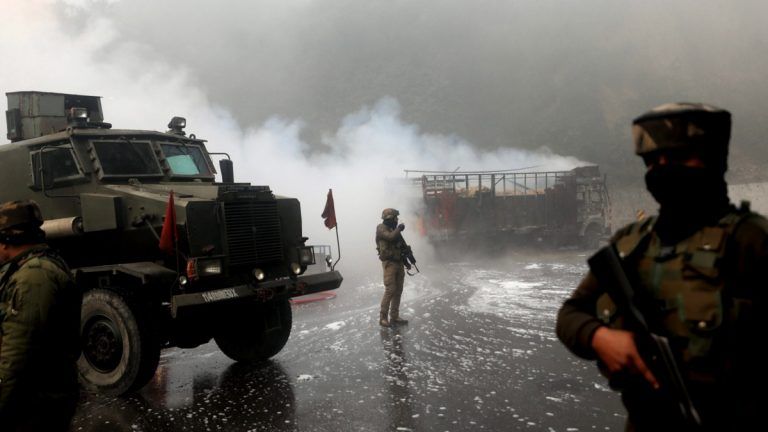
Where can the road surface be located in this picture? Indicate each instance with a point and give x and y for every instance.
(479, 353)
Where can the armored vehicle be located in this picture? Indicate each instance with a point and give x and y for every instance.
(165, 255)
(494, 208)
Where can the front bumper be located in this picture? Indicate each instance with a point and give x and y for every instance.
(302, 285)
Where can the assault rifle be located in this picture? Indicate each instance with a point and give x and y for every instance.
(608, 267)
(408, 259)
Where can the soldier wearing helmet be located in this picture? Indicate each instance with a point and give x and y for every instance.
(389, 244)
(39, 326)
(702, 261)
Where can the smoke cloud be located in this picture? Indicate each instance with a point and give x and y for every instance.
(569, 75)
(362, 159)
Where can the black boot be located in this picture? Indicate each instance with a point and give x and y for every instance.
(396, 320)
(383, 320)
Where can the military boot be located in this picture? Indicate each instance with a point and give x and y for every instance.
(383, 321)
(396, 320)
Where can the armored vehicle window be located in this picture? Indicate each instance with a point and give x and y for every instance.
(185, 160)
(59, 163)
(126, 158)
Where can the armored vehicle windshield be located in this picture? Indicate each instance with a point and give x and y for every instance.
(126, 157)
(148, 159)
(185, 160)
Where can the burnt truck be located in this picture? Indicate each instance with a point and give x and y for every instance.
(236, 255)
(495, 208)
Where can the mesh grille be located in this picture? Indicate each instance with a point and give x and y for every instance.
(253, 232)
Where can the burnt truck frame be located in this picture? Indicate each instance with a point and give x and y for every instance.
(239, 256)
(494, 208)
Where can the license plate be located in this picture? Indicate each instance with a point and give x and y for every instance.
(224, 294)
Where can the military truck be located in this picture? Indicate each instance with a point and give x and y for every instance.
(233, 253)
(495, 208)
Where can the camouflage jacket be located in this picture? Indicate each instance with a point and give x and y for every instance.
(39, 333)
(727, 394)
(389, 243)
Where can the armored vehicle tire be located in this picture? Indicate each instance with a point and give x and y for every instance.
(256, 331)
(120, 353)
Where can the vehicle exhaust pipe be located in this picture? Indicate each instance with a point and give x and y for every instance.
(65, 227)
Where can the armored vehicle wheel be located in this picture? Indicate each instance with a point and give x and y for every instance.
(120, 353)
(255, 332)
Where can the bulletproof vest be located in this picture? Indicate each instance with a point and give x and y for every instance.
(389, 250)
(686, 283)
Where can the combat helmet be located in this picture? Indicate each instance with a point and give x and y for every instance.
(20, 220)
(20, 214)
(389, 213)
(696, 127)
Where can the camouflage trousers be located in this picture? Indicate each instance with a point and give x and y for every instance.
(394, 276)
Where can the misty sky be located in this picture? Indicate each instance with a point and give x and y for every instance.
(565, 74)
(569, 75)
(430, 84)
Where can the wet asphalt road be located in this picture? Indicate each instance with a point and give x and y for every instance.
(479, 354)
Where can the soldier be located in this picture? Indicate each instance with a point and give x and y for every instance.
(389, 244)
(39, 326)
(703, 261)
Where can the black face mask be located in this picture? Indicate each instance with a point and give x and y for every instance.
(689, 198)
(392, 223)
(679, 186)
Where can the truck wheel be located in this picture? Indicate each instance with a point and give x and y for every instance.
(255, 332)
(120, 354)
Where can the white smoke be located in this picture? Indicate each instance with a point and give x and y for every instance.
(365, 157)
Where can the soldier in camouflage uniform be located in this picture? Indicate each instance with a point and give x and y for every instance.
(703, 261)
(389, 244)
(39, 326)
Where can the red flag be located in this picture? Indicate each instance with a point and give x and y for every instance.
(170, 232)
(329, 213)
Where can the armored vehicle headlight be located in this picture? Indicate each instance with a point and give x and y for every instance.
(183, 280)
(78, 113)
(259, 274)
(209, 267)
(77, 117)
(306, 255)
(177, 125)
(296, 268)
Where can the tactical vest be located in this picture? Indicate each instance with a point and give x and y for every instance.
(686, 281)
(389, 250)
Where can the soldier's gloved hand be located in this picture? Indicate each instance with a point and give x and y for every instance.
(401, 227)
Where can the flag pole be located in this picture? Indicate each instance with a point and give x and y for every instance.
(338, 247)
(329, 214)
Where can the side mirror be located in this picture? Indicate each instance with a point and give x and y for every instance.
(227, 171)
